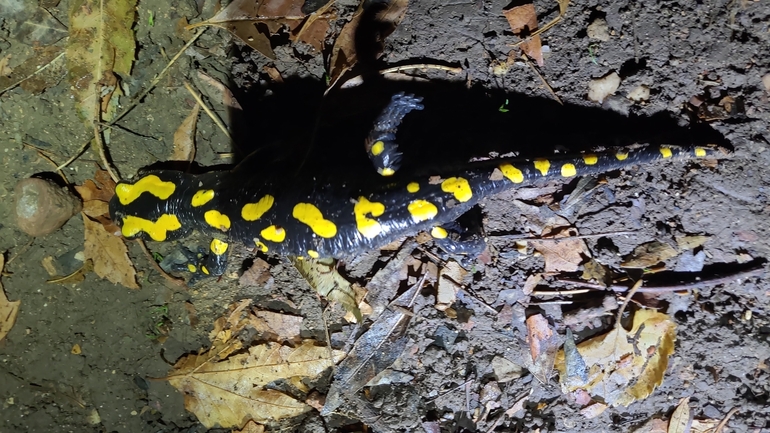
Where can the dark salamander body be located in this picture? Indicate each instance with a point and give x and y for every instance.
(338, 220)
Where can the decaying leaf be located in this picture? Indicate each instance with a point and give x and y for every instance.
(275, 326)
(523, 21)
(344, 55)
(506, 370)
(184, 137)
(449, 282)
(41, 28)
(8, 310)
(228, 391)
(374, 351)
(648, 255)
(251, 427)
(74, 277)
(543, 345)
(593, 270)
(109, 255)
(691, 242)
(37, 73)
(624, 366)
(327, 282)
(681, 419)
(561, 255)
(101, 44)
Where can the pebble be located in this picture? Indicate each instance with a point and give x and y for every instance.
(42, 206)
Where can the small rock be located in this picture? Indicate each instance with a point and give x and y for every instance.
(42, 206)
(639, 94)
(600, 88)
(599, 30)
(766, 82)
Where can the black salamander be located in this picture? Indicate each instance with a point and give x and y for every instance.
(305, 219)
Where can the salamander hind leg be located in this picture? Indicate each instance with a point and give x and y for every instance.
(380, 144)
(462, 239)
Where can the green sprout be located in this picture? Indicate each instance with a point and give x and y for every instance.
(504, 108)
(151, 21)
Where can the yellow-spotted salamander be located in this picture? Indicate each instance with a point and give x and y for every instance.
(339, 220)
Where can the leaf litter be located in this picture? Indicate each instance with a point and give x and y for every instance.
(8, 309)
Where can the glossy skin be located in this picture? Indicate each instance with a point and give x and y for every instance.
(308, 219)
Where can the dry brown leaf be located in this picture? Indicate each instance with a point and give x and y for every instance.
(276, 326)
(8, 310)
(593, 270)
(624, 366)
(691, 242)
(327, 282)
(531, 282)
(523, 21)
(449, 283)
(654, 425)
(76, 276)
(681, 419)
(96, 208)
(225, 94)
(5, 70)
(505, 370)
(228, 392)
(38, 72)
(563, 255)
(109, 254)
(648, 255)
(184, 137)
(251, 427)
(543, 345)
(273, 73)
(257, 275)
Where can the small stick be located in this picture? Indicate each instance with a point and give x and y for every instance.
(637, 285)
(545, 83)
(39, 70)
(593, 235)
(208, 111)
(560, 292)
(727, 417)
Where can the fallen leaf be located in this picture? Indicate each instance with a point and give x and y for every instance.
(691, 242)
(101, 44)
(681, 419)
(225, 94)
(593, 410)
(229, 391)
(102, 187)
(505, 370)
(449, 283)
(42, 70)
(543, 345)
(624, 366)
(8, 310)
(5, 70)
(41, 28)
(648, 255)
(600, 88)
(76, 350)
(654, 425)
(593, 270)
(523, 21)
(276, 326)
(327, 282)
(109, 255)
(561, 255)
(251, 427)
(257, 274)
(74, 277)
(184, 137)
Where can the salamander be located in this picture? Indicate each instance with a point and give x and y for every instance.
(319, 220)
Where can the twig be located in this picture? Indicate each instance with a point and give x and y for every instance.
(593, 235)
(23, 250)
(637, 285)
(100, 145)
(208, 111)
(313, 17)
(560, 292)
(545, 83)
(37, 71)
(727, 417)
(755, 271)
(562, 11)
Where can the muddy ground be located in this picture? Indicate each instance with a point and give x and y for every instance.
(708, 50)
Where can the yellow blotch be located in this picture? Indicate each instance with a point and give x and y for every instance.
(459, 187)
(422, 210)
(202, 197)
(438, 232)
(413, 187)
(367, 226)
(254, 211)
(590, 159)
(311, 216)
(700, 152)
(313, 254)
(568, 170)
(542, 165)
(127, 192)
(666, 152)
(218, 247)
(204, 270)
(218, 220)
(512, 173)
(191, 268)
(387, 171)
(621, 156)
(158, 230)
(378, 147)
(274, 234)
(262, 247)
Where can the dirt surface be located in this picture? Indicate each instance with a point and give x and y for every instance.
(81, 357)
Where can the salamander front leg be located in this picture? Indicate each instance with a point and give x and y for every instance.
(380, 144)
(203, 264)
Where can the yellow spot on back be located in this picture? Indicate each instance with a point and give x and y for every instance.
(204, 270)
(621, 156)
(254, 211)
(387, 171)
(158, 230)
(367, 226)
(459, 187)
(202, 197)
(512, 173)
(216, 219)
(666, 152)
(413, 187)
(313, 254)
(378, 147)
(542, 165)
(191, 268)
(218, 247)
(262, 247)
(568, 170)
(311, 216)
(274, 234)
(590, 159)
(422, 210)
(700, 152)
(438, 232)
(127, 192)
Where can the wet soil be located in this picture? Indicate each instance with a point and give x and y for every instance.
(704, 50)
